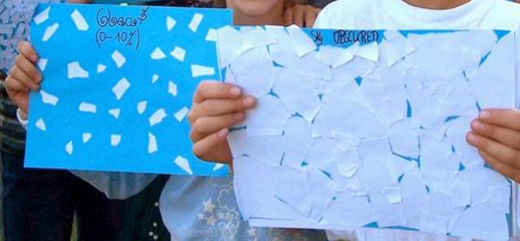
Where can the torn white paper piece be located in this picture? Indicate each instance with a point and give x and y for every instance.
(79, 21)
(301, 41)
(118, 58)
(87, 107)
(334, 56)
(86, 137)
(49, 31)
(141, 106)
(158, 54)
(195, 22)
(69, 148)
(155, 77)
(268, 118)
(115, 140)
(298, 94)
(230, 45)
(120, 88)
(184, 164)
(199, 70)
(179, 115)
(40, 124)
(152, 143)
(42, 16)
(115, 113)
(255, 71)
(218, 167)
(49, 98)
(74, 70)
(396, 47)
(392, 194)
(42, 63)
(178, 53)
(101, 68)
(157, 117)
(170, 23)
(255, 37)
(212, 35)
(172, 88)
(369, 51)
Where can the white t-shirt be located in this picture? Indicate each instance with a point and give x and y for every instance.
(397, 14)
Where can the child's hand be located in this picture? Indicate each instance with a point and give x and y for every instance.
(216, 107)
(23, 77)
(496, 134)
(301, 15)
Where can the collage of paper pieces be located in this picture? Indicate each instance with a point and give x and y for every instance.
(118, 84)
(368, 134)
(364, 133)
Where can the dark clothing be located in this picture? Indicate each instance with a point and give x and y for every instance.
(320, 3)
(40, 205)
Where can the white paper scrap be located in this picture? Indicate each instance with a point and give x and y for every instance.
(115, 140)
(141, 106)
(178, 53)
(40, 124)
(199, 70)
(49, 31)
(179, 115)
(183, 164)
(118, 58)
(86, 137)
(195, 22)
(158, 54)
(49, 98)
(157, 117)
(69, 148)
(152, 143)
(79, 21)
(170, 23)
(74, 70)
(87, 107)
(120, 88)
(42, 16)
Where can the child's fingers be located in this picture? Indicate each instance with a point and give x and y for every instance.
(20, 76)
(503, 153)
(216, 90)
(217, 107)
(288, 16)
(26, 49)
(202, 147)
(12, 85)
(506, 118)
(298, 16)
(310, 17)
(29, 68)
(506, 170)
(208, 125)
(500, 134)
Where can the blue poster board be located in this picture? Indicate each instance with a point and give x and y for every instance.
(118, 84)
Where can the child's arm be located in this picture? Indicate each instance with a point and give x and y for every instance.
(216, 107)
(496, 134)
